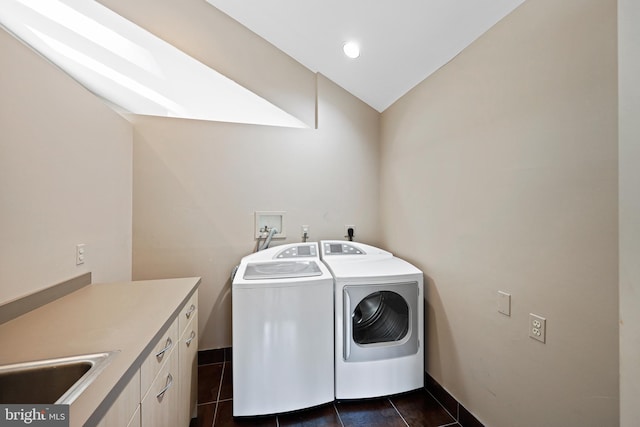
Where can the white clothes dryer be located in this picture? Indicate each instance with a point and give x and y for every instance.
(282, 331)
(379, 315)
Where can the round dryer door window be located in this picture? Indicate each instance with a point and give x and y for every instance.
(380, 320)
(380, 317)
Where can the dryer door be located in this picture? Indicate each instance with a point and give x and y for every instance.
(380, 321)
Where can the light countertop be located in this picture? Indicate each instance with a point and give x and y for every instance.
(126, 316)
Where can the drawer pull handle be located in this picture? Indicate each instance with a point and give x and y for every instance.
(167, 386)
(191, 310)
(191, 337)
(167, 347)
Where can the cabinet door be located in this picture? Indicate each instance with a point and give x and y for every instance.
(135, 419)
(160, 404)
(188, 359)
(122, 410)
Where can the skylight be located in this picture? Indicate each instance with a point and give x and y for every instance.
(132, 68)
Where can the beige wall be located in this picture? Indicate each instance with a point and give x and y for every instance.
(65, 177)
(198, 184)
(629, 146)
(499, 172)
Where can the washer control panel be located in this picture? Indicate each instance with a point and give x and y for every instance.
(299, 251)
(341, 249)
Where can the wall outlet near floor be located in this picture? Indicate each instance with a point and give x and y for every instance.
(80, 253)
(537, 327)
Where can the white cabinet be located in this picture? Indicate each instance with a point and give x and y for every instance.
(126, 408)
(158, 356)
(169, 373)
(160, 405)
(163, 391)
(135, 419)
(188, 312)
(188, 358)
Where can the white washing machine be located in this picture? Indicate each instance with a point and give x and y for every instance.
(282, 331)
(379, 314)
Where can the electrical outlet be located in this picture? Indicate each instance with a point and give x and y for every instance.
(80, 254)
(346, 231)
(537, 327)
(305, 232)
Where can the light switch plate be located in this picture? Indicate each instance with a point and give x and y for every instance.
(504, 303)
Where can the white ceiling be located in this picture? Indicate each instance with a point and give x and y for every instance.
(402, 41)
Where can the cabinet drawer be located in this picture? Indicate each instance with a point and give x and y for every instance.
(158, 356)
(159, 406)
(187, 313)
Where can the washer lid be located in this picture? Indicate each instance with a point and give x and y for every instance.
(281, 270)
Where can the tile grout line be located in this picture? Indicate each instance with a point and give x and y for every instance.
(215, 413)
(212, 363)
(335, 408)
(443, 407)
(394, 407)
(209, 402)
(224, 365)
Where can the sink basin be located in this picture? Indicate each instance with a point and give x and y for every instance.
(50, 381)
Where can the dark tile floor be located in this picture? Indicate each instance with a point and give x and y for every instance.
(215, 400)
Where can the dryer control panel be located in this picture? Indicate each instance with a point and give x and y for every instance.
(299, 251)
(337, 248)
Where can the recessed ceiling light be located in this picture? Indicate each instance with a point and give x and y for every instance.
(351, 49)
